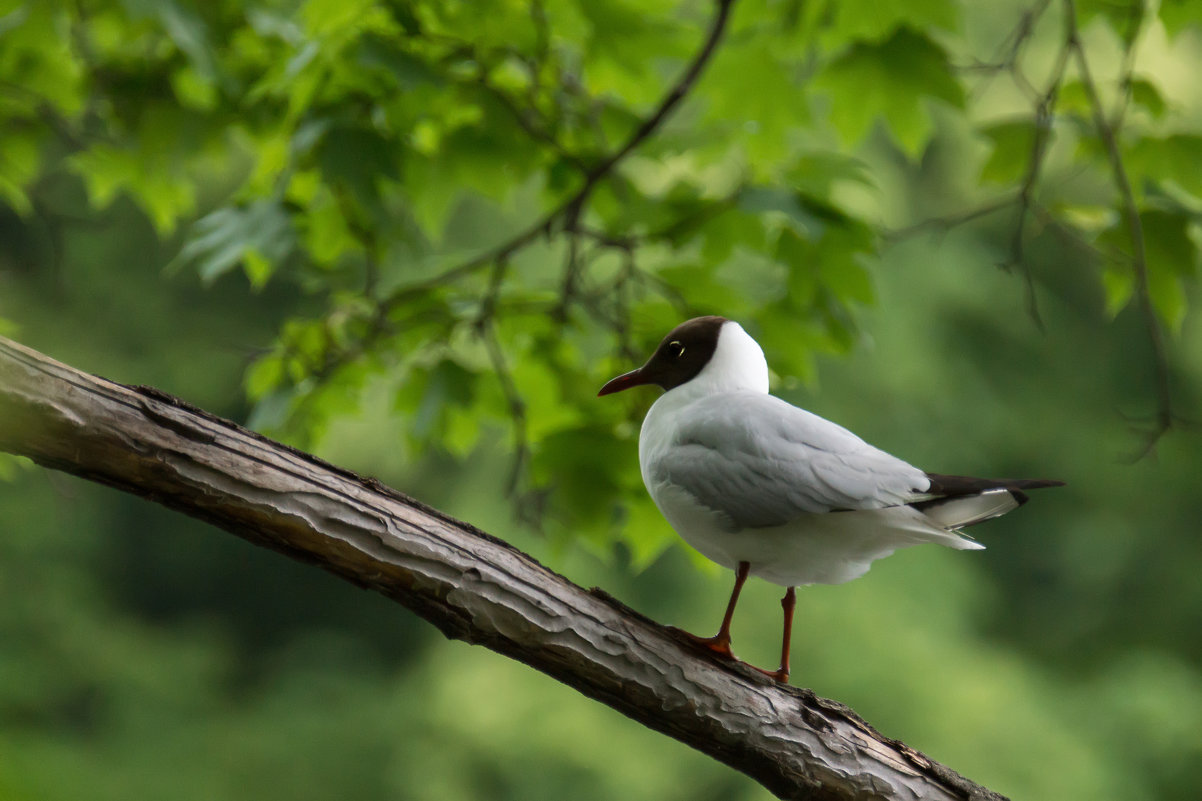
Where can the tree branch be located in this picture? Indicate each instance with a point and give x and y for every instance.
(470, 585)
(1165, 414)
(571, 209)
(1045, 104)
(677, 93)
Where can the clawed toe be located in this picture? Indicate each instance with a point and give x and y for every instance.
(718, 645)
(780, 675)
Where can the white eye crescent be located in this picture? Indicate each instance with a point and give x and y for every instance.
(677, 348)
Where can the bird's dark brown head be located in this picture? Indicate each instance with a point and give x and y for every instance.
(682, 354)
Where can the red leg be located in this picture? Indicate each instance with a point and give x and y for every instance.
(720, 642)
(781, 674)
(787, 603)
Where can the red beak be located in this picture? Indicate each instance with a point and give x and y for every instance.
(625, 381)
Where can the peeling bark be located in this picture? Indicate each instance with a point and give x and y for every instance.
(469, 584)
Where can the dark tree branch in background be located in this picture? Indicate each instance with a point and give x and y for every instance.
(1044, 102)
(470, 585)
(947, 222)
(533, 128)
(1044, 107)
(570, 211)
(677, 93)
(1163, 418)
(1009, 55)
(566, 217)
(1108, 127)
(1024, 200)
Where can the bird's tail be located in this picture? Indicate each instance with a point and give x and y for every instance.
(959, 501)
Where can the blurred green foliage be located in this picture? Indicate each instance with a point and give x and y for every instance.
(395, 232)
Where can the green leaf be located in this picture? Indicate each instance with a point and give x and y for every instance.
(1172, 256)
(842, 268)
(258, 268)
(405, 70)
(334, 19)
(580, 490)
(222, 240)
(705, 289)
(1168, 298)
(1073, 98)
(264, 376)
(775, 200)
(1118, 286)
(1089, 218)
(791, 339)
(38, 57)
(190, 34)
(646, 531)
(1145, 94)
(1013, 144)
(1170, 248)
(889, 81)
(1122, 17)
(146, 173)
(827, 263)
(448, 384)
(623, 33)
(194, 89)
(445, 406)
(799, 254)
(359, 159)
(1179, 15)
(778, 206)
(1165, 159)
(763, 123)
(20, 163)
(732, 228)
(819, 173)
(874, 20)
(541, 379)
(325, 231)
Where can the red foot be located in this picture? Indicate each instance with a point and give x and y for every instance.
(780, 675)
(719, 644)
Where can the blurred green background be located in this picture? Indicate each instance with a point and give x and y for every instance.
(144, 655)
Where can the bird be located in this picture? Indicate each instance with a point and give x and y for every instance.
(768, 489)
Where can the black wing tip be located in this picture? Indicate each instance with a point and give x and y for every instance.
(1040, 483)
(943, 484)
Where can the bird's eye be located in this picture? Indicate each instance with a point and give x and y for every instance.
(676, 349)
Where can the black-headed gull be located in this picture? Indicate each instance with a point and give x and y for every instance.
(767, 489)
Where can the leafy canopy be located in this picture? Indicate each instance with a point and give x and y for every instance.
(496, 204)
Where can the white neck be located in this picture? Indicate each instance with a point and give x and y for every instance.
(738, 365)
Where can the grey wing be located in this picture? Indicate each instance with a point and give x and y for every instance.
(763, 462)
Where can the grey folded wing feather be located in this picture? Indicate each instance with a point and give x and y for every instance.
(760, 461)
